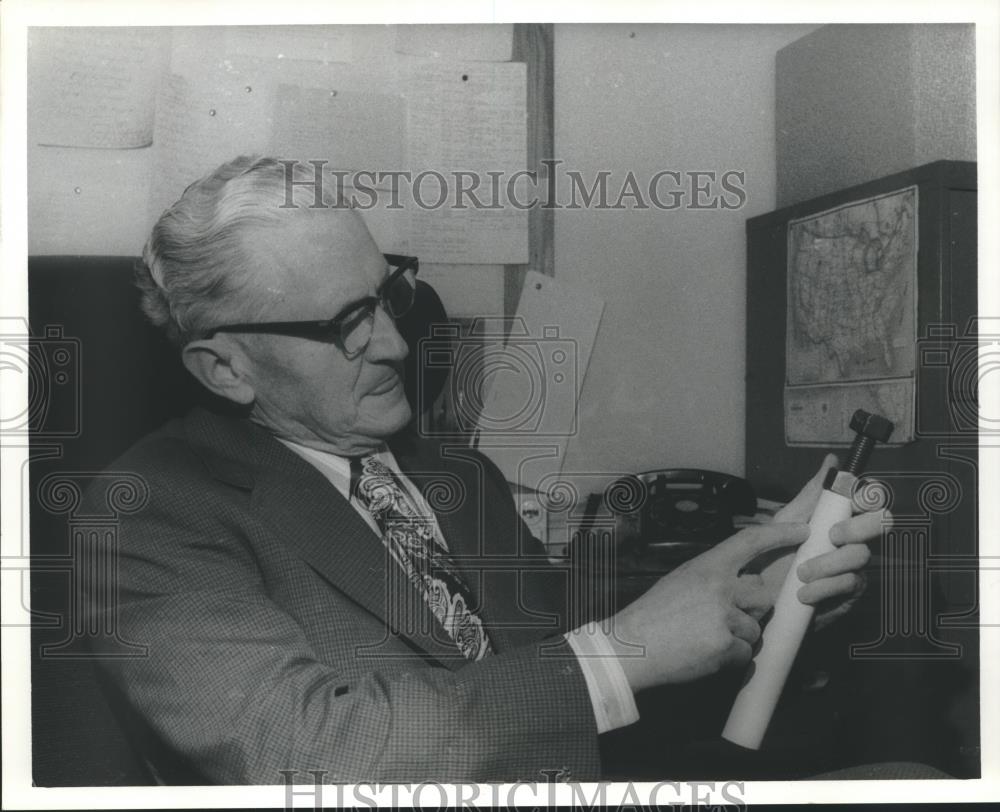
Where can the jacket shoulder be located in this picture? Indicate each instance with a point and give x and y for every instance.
(160, 468)
(165, 450)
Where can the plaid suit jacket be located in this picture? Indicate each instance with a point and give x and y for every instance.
(280, 635)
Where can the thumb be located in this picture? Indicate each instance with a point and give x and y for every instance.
(800, 509)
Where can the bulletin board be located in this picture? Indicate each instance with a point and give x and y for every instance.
(120, 120)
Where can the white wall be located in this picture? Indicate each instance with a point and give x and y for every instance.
(665, 382)
(858, 102)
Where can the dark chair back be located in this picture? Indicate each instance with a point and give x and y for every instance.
(100, 378)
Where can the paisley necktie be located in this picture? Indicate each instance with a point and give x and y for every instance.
(409, 536)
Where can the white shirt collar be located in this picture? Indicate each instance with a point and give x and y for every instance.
(335, 467)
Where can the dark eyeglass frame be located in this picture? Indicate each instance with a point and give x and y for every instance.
(329, 329)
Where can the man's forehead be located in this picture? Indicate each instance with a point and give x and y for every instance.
(314, 244)
(313, 264)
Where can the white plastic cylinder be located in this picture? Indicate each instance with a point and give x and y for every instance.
(782, 636)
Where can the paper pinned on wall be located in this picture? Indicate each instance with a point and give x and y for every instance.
(468, 236)
(319, 43)
(200, 127)
(92, 206)
(470, 119)
(468, 43)
(353, 76)
(530, 409)
(95, 87)
(352, 131)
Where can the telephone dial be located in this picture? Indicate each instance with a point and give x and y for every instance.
(691, 505)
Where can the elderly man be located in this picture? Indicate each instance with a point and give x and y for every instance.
(308, 599)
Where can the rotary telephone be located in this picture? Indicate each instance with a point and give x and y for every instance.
(671, 514)
(691, 505)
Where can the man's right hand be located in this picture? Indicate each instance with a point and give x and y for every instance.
(704, 615)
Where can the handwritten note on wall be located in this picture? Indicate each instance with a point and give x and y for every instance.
(351, 131)
(198, 128)
(94, 87)
(468, 118)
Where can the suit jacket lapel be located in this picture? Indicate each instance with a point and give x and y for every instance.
(451, 486)
(305, 510)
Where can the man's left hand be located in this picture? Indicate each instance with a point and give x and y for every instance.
(833, 581)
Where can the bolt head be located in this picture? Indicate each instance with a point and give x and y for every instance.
(871, 425)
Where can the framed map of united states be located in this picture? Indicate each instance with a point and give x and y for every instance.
(851, 318)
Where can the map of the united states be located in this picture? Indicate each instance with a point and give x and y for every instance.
(850, 292)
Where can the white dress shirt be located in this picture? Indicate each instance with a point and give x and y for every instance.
(610, 695)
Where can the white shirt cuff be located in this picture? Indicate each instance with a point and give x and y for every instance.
(610, 694)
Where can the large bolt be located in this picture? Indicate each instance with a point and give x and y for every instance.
(870, 428)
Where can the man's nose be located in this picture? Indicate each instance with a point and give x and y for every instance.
(386, 343)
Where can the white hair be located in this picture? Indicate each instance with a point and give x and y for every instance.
(195, 272)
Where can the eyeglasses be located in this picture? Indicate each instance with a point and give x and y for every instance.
(351, 329)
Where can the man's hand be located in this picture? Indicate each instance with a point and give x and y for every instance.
(702, 616)
(833, 581)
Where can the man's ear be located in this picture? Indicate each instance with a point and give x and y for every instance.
(219, 367)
